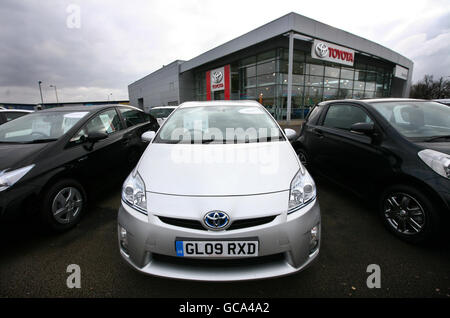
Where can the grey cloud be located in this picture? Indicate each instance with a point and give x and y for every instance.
(119, 42)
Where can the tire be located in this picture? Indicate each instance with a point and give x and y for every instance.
(64, 203)
(302, 156)
(409, 214)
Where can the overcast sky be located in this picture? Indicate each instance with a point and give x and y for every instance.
(118, 42)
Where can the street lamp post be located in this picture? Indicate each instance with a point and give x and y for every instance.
(40, 90)
(56, 93)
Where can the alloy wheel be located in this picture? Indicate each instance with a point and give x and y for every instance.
(404, 213)
(67, 204)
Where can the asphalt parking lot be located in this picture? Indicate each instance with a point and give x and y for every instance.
(33, 263)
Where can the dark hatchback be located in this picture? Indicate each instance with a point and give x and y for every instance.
(11, 114)
(51, 159)
(396, 151)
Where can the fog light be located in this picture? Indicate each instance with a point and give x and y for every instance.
(314, 241)
(123, 239)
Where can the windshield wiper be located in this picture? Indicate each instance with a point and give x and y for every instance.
(39, 141)
(437, 138)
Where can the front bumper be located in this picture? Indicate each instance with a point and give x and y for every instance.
(441, 186)
(284, 247)
(18, 201)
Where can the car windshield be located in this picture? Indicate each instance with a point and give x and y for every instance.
(219, 124)
(161, 112)
(39, 127)
(416, 119)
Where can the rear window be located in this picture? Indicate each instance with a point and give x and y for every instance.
(13, 115)
(133, 117)
(161, 112)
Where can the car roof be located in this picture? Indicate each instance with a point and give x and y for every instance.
(92, 108)
(380, 100)
(221, 103)
(15, 110)
(374, 100)
(163, 107)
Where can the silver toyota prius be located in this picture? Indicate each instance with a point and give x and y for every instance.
(219, 195)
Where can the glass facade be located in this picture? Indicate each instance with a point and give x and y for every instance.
(264, 77)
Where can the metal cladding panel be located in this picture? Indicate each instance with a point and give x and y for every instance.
(303, 25)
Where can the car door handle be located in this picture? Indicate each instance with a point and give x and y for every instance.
(318, 133)
(82, 159)
(125, 141)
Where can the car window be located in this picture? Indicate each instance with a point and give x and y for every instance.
(416, 119)
(161, 112)
(105, 122)
(39, 126)
(344, 116)
(219, 124)
(314, 115)
(133, 117)
(13, 115)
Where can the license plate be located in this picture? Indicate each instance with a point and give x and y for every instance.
(216, 248)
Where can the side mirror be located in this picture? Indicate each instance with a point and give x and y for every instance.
(96, 136)
(363, 128)
(148, 136)
(290, 133)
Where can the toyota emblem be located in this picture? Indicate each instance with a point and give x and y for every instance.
(216, 220)
(321, 50)
(217, 77)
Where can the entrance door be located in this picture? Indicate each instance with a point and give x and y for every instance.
(218, 95)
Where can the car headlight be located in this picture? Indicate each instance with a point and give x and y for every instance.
(9, 178)
(438, 161)
(133, 192)
(303, 190)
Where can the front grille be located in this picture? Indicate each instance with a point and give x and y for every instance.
(191, 224)
(197, 225)
(232, 262)
(241, 224)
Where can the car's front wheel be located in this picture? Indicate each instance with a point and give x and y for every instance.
(63, 205)
(409, 214)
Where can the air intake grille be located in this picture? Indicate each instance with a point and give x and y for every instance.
(197, 225)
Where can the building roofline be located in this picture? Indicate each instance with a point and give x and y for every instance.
(301, 25)
(179, 62)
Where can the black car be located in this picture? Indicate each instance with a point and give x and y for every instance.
(10, 114)
(51, 159)
(445, 101)
(396, 151)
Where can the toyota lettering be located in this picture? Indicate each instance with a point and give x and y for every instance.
(333, 53)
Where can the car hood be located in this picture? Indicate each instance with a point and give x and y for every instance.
(438, 146)
(12, 155)
(217, 169)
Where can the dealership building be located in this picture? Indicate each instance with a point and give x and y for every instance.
(288, 65)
